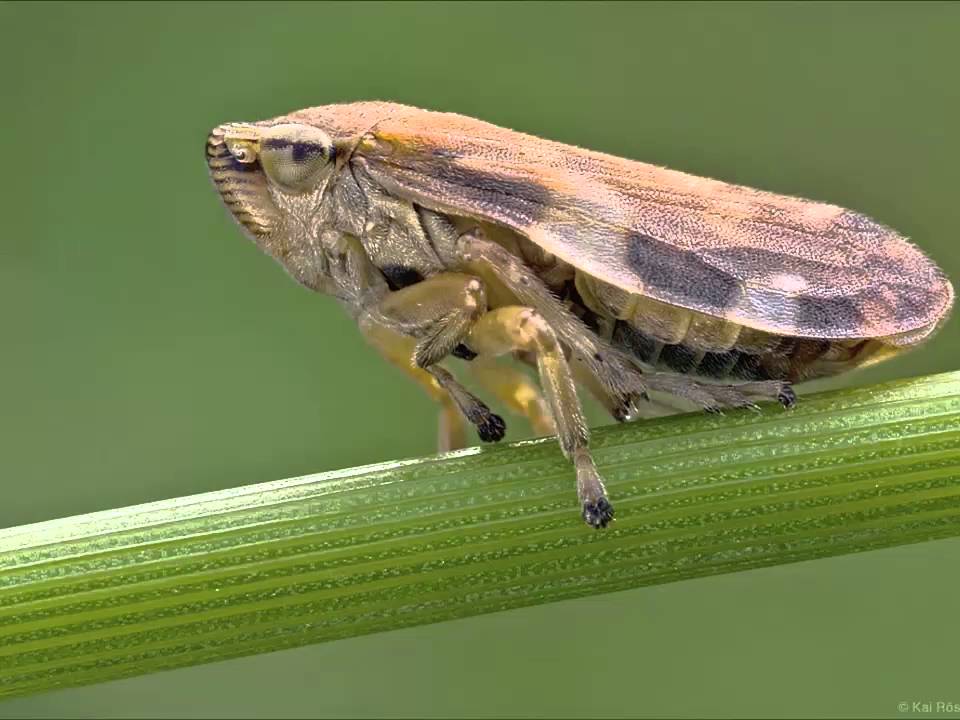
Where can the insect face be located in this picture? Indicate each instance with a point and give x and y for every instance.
(273, 178)
(250, 165)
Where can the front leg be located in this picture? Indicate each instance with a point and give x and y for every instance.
(437, 314)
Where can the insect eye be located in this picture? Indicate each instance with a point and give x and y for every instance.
(294, 156)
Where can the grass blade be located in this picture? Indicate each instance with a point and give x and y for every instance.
(259, 568)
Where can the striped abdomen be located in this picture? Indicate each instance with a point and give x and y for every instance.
(678, 340)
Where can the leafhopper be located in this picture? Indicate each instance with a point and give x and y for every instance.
(445, 236)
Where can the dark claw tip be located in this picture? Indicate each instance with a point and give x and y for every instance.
(787, 397)
(492, 428)
(598, 514)
(713, 410)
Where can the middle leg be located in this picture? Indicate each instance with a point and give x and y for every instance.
(516, 328)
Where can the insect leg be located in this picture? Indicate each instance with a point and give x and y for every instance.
(415, 328)
(490, 426)
(616, 373)
(515, 328)
(619, 411)
(437, 313)
(515, 390)
(714, 397)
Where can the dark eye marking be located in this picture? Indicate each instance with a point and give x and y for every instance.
(300, 150)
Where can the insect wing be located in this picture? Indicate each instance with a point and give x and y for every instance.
(772, 262)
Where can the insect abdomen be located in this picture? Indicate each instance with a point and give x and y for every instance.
(793, 359)
(682, 341)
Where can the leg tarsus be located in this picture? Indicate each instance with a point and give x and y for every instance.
(598, 514)
(596, 509)
(490, 426)
(778, 390)
(622, 408)
(714, 398)
(787, 396)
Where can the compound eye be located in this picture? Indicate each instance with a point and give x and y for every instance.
(295, 156)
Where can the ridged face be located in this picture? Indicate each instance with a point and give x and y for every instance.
(262, 170)
(243, 186)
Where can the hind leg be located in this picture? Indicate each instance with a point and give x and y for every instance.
(715, 397)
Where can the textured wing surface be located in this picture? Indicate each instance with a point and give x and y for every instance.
(772, 262)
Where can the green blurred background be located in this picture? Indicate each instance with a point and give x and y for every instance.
(150, 351)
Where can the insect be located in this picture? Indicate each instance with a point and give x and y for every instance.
(444, 235)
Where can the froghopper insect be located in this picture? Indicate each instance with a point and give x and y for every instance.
(444, 236)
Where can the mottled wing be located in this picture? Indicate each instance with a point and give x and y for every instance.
(772, 262)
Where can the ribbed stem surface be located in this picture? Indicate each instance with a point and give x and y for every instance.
(260, 568)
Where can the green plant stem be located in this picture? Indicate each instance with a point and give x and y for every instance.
(260, 568)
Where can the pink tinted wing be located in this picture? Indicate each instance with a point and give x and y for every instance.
(772, 262)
